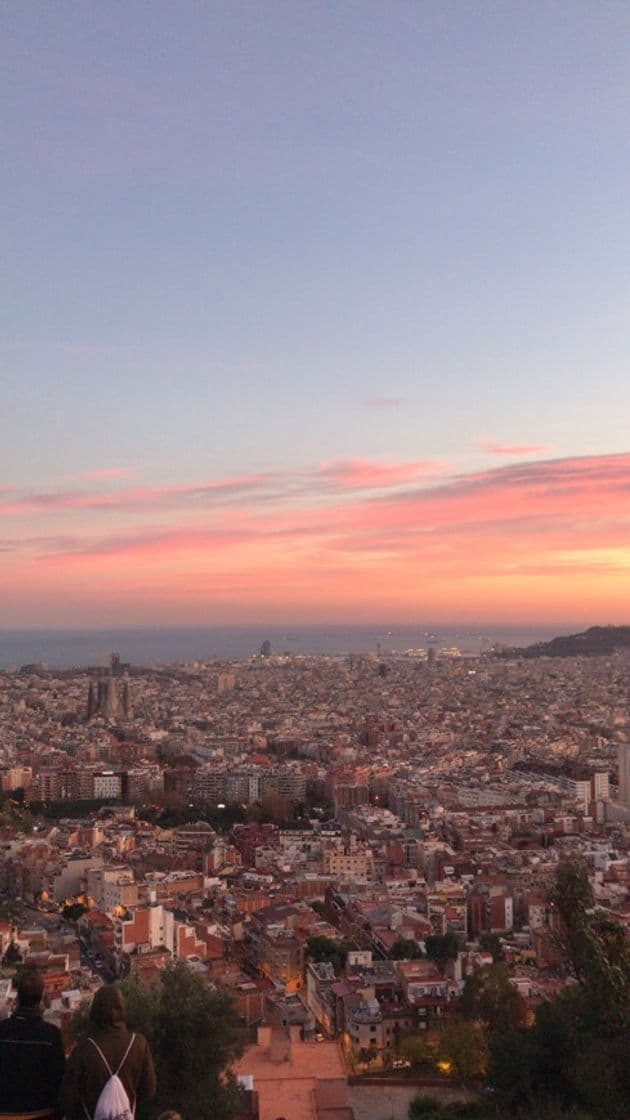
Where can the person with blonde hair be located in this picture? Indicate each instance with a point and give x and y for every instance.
(109, 1048)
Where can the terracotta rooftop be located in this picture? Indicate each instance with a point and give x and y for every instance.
(294, 1079)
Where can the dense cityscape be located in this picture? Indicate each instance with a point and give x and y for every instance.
(315, 561)
(340, 842)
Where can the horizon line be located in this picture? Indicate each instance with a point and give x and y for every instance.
(431, 625)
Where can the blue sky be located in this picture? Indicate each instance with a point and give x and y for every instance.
(254, 237)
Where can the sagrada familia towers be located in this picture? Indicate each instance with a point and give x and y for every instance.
(109, 695)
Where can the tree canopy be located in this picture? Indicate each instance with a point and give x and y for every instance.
(419, 1049)
(193, 1034)
(322, 949)
(490, 997)
(576, 1053)
(72, 911)
(464, 1046)
(491, 943)
(406, 949)
(443, 947)
(427, 1108)
(14, 816)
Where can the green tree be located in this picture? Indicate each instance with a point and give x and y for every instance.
(491, 943)
(576, 1052)
(596, 947)
(69, 807)
(419, 1049)
(322, 949)
(367, 1055)
(490, 997)
(73, 911)
(582, 1061)
(406, 949)
(572, 898)
(192, 1031)
(13, 815)
(425, 1108)
(465, 1047)
(443, 948)
(513, 1068)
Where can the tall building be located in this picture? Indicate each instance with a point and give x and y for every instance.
(623, 758)
(107, 783)
(109, 697)
(347, 787)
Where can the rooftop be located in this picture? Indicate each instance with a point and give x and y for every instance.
(295, 1079)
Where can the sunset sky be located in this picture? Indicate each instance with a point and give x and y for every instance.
(315, 312)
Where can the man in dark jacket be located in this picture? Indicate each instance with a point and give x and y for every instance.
(89, 1065)
(31, 1055)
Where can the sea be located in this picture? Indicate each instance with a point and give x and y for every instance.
(62, 649)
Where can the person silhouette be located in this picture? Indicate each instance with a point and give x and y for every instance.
(109, 1047)
(31, 1055)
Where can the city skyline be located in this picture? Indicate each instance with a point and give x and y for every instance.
(315, 315)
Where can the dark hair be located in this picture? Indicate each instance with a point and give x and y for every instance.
(30, 988)
(109, 1007)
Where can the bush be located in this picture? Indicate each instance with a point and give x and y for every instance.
(424, 1108)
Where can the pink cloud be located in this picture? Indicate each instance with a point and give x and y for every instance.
(414, 496)
(549, 504)
(366, 474)
(159, 543)
(578, 473)
(271, 486)
(105, 473)
(352, 535)
(143, 498)
(494, 447)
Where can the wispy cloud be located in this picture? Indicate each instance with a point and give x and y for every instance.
(262, 488)
(143, 498)
(496, 447)
(355, 535)
(366, 474)
(102, 474)
(161, 542)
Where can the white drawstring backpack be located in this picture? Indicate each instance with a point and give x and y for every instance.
(113, 1102)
